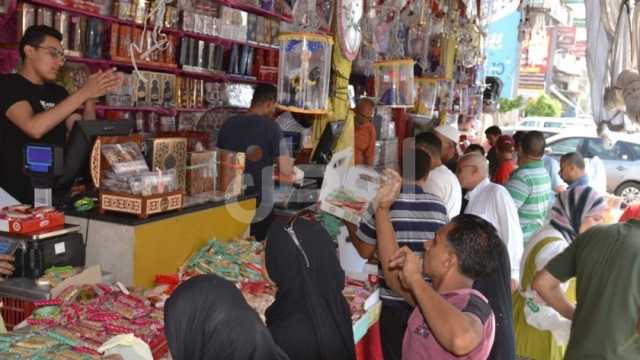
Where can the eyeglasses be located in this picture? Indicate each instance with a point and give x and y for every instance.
(56, 54)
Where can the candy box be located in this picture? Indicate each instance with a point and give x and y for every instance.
(347, 190)
(23, 219)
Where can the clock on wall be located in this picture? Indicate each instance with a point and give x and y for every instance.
(350, 14)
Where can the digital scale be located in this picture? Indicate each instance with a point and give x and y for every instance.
(43, 164)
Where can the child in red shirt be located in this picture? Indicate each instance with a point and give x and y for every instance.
(505, 147)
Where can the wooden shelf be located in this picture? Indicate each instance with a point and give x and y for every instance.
(164, 111)
(225, 41)
(170, 69)
(255, 10)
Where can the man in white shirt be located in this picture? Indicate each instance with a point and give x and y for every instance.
(493, 203)
(441, 181)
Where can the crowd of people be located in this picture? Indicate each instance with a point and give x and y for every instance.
(498, 253)
(495, 260)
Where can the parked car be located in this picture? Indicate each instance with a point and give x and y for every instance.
(544, 123)
(621, 160)
(547, 132)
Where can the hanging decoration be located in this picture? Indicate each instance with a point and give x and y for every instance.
(350, 14)
(304, 67)
(426, 95)
(303, 73)
(394, 83)
(159, 41)
(305, 16)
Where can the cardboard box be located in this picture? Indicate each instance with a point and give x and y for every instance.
(169, 153)
(348, 190)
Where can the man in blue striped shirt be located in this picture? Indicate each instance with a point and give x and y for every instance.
(416, 216)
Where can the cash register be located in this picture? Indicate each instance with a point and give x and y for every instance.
(52, 171)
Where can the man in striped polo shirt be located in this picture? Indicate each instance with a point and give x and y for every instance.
(530, 185)
(416, 216)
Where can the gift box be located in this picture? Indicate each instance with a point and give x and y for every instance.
(169, 153)
(23, 219)
(230, 166)
(139, 205)
(201, 172)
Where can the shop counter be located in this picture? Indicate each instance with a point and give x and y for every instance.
(135, 250)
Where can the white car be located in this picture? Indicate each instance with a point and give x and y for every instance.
(546, 132)
(621, 159)
(548, 123)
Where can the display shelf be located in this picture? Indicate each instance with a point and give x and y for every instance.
(211, 76)
(107, 18)
(225, 41)
(142, 65)
(255, 10)
(161, 110)
(165, 111)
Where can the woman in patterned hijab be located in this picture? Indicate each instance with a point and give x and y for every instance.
(541, 333)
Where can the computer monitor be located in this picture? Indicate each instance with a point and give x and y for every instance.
(327, 143)
(80, 144)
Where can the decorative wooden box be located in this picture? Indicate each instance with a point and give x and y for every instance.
(169, 153)
(139, 205)
(142, 206)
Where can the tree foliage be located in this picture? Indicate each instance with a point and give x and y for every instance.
(544, 105)
(506, 105)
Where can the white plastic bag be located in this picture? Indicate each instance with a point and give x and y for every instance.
(597, 174)
(545, 318)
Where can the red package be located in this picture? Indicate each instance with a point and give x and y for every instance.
(22, 219)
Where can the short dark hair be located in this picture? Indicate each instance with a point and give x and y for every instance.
(431, 142)
(264, 93)
(517, 137)
(476, 148)
(418, 161)
(493, 130)
(476, 244)
(574, 158)
(35, 35)
(533, 144)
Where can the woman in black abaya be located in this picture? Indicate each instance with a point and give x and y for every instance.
(310, 318)
(207, 318)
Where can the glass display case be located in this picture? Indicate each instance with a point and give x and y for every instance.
(394, 83)
(303, 72)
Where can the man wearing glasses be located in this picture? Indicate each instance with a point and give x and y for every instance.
(365, 133)
(34, 110)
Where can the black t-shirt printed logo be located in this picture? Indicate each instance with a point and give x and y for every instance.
(46, 105)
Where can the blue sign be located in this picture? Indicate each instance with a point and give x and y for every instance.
(503, 57)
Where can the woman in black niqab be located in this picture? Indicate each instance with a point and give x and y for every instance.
(207, 318)
(310, 318)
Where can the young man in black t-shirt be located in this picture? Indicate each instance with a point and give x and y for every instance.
(34, 110)
(259, 136)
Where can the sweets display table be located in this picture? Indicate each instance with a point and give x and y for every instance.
(135, 250)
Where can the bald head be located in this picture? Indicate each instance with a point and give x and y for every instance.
(475, 159)
(365, 110)
(472, 170)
